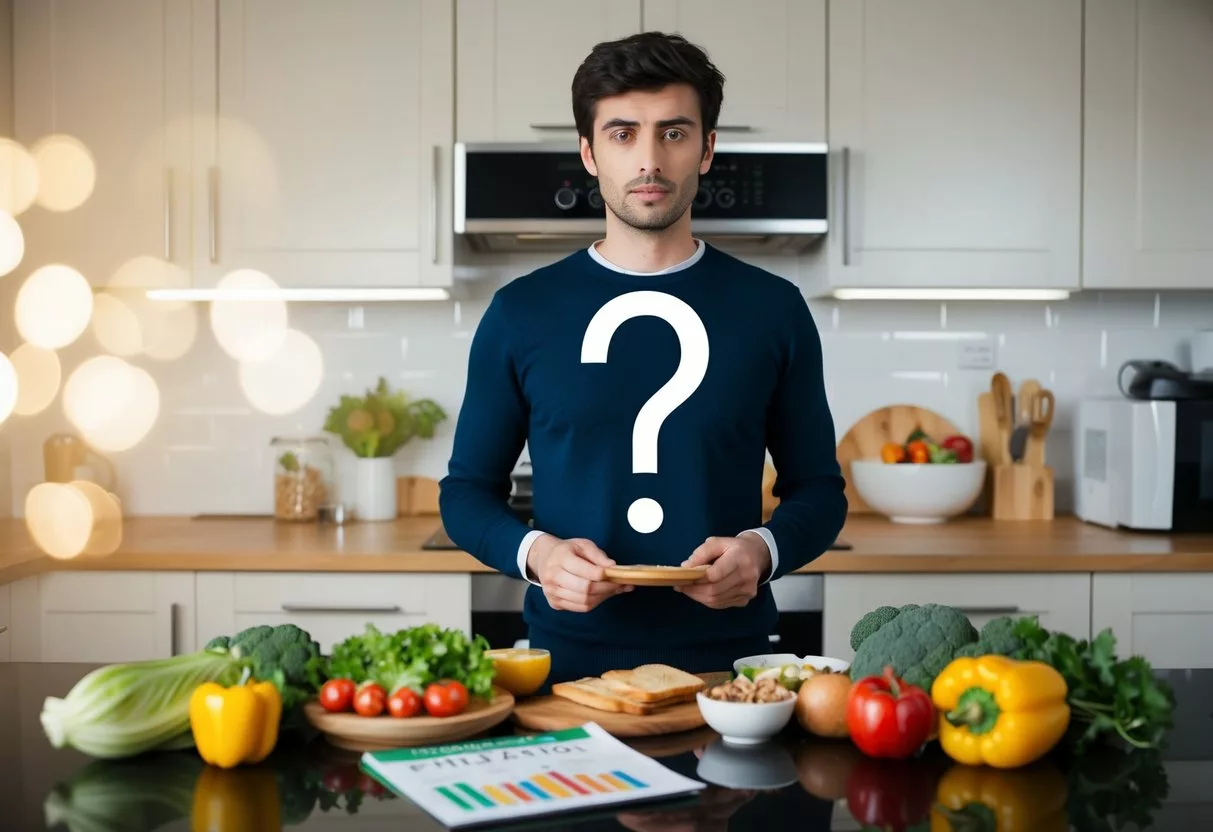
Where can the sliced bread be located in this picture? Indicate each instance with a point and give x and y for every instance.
(656, 683)
(601, 695)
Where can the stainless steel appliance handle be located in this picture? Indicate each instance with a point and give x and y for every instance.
(435, 161)
(332, 609)
(172, 629)
(844, 210)
(168, 214)
(212, 177)
(1009, 610)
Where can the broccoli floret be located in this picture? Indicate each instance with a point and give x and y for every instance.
(279, 654)
(919, 643)
(997, 639)
(873, 621)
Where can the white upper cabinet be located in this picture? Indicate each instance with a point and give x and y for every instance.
(772, 54)
(955, 136)
(516, 60)
(1148, 178)
(113, 76)
(330, 160)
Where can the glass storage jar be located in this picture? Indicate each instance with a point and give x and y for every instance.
(303, 476)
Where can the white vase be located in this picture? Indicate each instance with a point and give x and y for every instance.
(375, 489)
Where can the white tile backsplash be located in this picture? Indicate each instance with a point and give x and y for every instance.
(208, 452)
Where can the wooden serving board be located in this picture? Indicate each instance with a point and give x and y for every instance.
(554, 713)
(378, 733)
(886, 424)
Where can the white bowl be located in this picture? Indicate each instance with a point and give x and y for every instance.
(780, 659)
(918, 493)
(746, 723)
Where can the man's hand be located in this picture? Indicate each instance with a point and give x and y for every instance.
(737, 565)
(571, 573)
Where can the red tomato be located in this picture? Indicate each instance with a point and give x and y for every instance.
(918, 452)
(445, 698)
(962, 446)
(337, 695)
(887, 717)
(370, 699)
(404, 703)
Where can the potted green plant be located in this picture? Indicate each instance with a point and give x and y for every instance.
(374, 426)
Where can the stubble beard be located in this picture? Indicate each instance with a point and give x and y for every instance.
(643, 219)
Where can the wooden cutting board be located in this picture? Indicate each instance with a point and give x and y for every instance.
(554, 713)
(886, 424)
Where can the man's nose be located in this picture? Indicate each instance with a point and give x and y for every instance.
(652, 155)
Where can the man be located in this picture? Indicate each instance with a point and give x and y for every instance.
(646, 109)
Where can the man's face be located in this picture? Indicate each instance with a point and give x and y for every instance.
(648, 154)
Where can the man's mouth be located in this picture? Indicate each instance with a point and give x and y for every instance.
(650, 190)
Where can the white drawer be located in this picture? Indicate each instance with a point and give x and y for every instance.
(331, 606)
(1163, 617)
(1062, 601)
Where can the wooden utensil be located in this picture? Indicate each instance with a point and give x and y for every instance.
(1040, 420)
(647, 575)
(1004, 412)
(555, 713)
(887, 424)
(1028, 388)
(377, 733)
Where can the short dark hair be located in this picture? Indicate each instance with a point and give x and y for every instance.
(645, 61)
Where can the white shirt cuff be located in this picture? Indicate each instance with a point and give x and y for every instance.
(766, 535)
(524, 549)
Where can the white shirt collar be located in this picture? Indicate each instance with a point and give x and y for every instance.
(677, 267)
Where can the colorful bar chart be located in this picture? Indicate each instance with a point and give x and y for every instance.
(545, 786)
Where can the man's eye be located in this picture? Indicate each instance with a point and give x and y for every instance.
(674, 134)
(619, 135)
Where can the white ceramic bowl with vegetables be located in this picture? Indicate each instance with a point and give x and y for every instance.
(918, 493)
(787, 666)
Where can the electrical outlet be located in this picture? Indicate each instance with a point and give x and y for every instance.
(976, 355)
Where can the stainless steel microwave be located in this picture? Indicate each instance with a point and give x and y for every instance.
(757, 196)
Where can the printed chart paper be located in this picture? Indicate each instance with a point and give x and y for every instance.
(507, 778)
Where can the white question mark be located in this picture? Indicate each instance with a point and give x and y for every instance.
(645, 514)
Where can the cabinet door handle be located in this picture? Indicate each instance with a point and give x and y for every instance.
(844, 210)
(435, 161)
(734, 128)
(326, 608)
(1011, 610)
(168, 214)
(172, 629)
(212, 187)
(535, 126)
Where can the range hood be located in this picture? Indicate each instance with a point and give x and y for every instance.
(758, 197)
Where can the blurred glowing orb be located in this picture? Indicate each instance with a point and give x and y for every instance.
(166, 329)
(248, 318)
(59, 519)
(169, 333)
(116, 326)
(54, 306)
(8, 387)
(113, 404)
(38, 377)
(12, 243)
(66, 172)
(106, 534)
(288, 379)
(18, 177)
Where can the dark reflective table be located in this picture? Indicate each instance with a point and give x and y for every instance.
(795, 781)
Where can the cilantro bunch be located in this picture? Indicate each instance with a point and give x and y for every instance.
(413, 658)
(1107, 696)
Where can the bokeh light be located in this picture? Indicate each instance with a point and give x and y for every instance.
(18, 177)
(116, 326)
(38, 376)
(66, 172)
(66, 520)
(12, 243)
(249, 329)
(54, 306)
(128, 323)
(288, 379)
(8, 387)
(106, 534)
(112, 403)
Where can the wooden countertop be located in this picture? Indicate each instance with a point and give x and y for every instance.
(879, 546)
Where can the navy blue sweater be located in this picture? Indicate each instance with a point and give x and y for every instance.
(762, 389)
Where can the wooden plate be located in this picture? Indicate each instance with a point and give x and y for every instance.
(647, 575)
(554, 713)
(379, 733)
(886, 424)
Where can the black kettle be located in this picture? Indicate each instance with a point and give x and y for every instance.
(1161, 380)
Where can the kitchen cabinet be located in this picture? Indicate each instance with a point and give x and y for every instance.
(1061, 601)
(515, 61)
(1148, 169)
(331, 606)
(329, 163)
(956, 138)
(115, 76)
(102, 616)
(1164, 617)
(772, 54)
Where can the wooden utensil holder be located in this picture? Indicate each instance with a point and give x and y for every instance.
(1022, 492)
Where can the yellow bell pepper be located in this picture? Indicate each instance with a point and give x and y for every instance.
(235, 725)
(1031, 799)
(236, 800)
(999, 711)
